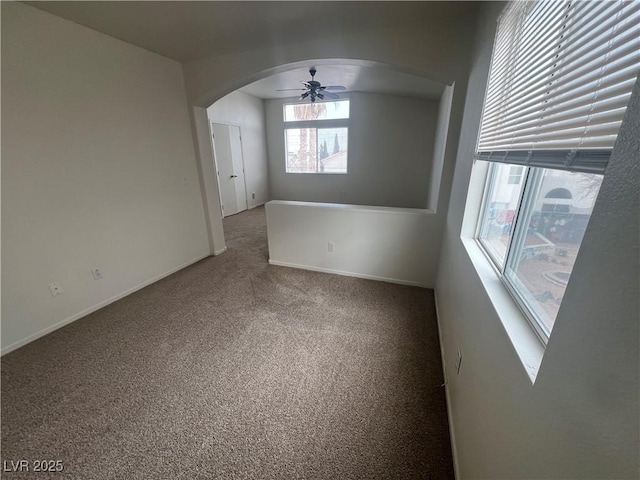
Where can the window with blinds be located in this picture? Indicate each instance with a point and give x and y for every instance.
(561, 77)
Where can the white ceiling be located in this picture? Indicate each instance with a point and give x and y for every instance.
(354, 77)
(191, 30)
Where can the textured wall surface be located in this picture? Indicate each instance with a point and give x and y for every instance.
(98, 170)
(580, 417)
(391, 142)
(390, 244)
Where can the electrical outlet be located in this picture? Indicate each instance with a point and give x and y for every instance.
(458, 362)
(97, 273)
(331, 247)
(253, 195)
(55, 288)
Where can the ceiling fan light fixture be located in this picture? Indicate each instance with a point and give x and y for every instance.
(315, 89)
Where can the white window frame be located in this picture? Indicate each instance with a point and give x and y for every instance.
(515, 176)
(505, 270)
(532, 177)
(538, 141)
(316, 125)
(489, 183)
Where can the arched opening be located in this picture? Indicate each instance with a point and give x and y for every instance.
(397, 131)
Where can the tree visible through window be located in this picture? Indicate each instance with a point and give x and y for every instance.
(316, 137)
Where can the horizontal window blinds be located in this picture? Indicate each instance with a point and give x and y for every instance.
(561, 76)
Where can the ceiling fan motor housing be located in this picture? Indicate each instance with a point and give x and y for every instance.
(316, 89)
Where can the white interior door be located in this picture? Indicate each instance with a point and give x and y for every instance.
(227, 145)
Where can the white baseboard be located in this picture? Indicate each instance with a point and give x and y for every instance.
(87, 311)
(452, 434)
(347, 274)
(219, 252)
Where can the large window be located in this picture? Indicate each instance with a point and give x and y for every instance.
(316, 137)
(560, 80)
(532, 232)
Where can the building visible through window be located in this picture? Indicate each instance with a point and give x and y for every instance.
(560, 80)
(316, 137)
(515, 175)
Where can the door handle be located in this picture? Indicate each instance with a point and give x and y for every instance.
(233, 176)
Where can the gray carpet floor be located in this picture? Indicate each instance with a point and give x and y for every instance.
(232, 368)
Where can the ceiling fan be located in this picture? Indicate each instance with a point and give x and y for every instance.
(314, 89)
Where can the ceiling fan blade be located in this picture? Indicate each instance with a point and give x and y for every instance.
(329, 94)
(304, 95)
(290, 89)
(334, 87)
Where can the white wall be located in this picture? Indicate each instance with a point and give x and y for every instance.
(392, 244)
(439, 148)
(208, 181)
(98, 170)
(247, 112)
(438, 48)
(580, 417)
(391, 142)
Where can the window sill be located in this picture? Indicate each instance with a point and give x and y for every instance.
(526, 343)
